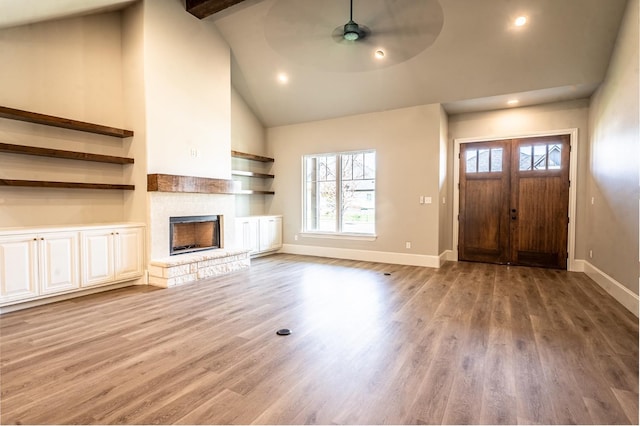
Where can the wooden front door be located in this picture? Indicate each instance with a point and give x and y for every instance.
(514, 201)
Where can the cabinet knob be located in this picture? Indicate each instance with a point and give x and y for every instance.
(35, 239)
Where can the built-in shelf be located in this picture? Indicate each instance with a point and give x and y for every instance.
(251, 174)
(253, 192)
(246, 156)
(74, 185)
(57, 153)
(248, 173)
(65, 123)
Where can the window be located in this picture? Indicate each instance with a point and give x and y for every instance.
(484, 160)
(339, 192)
(541, 157)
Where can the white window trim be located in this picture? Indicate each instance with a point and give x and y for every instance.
(339, 236)
(336, 235)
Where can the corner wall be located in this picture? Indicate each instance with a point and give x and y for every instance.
(614, 123)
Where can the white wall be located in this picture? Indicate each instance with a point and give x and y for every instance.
(187, 102)
(528, 120)
(444, 183)
(612, 220)
(187, 92)
(407, 143)
(70, 68)
(248, 135)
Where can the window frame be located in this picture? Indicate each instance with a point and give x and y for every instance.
(338, 232)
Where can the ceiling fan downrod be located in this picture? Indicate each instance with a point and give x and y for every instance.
(351, 29)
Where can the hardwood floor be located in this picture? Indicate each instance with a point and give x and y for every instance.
(466, 343)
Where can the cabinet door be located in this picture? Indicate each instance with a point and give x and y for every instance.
(128, 253)
(58, 262)
(97, 257)
(270, 233)
(18, 267)
(247, 231)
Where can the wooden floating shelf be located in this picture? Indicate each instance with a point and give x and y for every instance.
(57, 153)
(65, 123)
(246, 156)
(253, 192)
(251, 174)
(190, 184)
(70, 185)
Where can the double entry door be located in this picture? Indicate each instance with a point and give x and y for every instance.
(514, 201)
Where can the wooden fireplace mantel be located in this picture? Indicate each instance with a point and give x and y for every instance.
(190, 184)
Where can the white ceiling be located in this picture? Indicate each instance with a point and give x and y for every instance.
(465, 54)
(478, 61)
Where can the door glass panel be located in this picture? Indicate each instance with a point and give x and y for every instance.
(540, 157)
(555, 156)
(496, 160)
(525, 158)
(471, 158)
(483, 160)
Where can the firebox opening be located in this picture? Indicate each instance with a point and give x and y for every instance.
(193, 233)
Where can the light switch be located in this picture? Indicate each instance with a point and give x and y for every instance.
(427, 200)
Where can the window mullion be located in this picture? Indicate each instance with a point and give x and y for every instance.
(339, 192)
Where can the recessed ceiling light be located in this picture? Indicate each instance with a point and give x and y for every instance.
(379, 54)
(512, 102)
(283, 78)
(520, 21)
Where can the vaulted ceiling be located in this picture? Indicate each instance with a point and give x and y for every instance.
(291, 65)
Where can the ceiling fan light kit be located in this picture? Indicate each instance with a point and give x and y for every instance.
(351, 31)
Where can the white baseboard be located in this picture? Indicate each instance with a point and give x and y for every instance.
(619, 292)
(57, 298)
(364, 255)
(447, 255)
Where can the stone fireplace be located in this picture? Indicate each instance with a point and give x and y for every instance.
(168, 269)
(188, 234)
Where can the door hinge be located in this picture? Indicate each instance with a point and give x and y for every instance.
(458, 155)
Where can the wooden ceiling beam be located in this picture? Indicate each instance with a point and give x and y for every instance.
(203, 8)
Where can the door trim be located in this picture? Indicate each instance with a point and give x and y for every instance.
(573, 174)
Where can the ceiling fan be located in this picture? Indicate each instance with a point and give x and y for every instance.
(351, 30)
(304, 31)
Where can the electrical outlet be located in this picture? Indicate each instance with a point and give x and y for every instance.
(295, 237)
(593, 200)
(427, 200)
(407, 244)
(590, 254)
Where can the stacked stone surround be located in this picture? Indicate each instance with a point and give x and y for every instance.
(185, 268)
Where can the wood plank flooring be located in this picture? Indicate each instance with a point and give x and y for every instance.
(468, 343)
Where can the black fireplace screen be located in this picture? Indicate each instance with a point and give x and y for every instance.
(193, 233)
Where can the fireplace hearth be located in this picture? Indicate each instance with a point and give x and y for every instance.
(188, 234)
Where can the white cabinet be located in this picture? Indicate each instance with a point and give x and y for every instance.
(58, 262)
(111, 255)
(19, 268)
(248, 231)
(38, 264)
(260, 234)
(270, 233)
